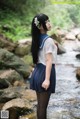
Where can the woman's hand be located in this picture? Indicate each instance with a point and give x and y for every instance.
(46, 84)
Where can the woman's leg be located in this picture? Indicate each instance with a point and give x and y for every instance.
(43, 99)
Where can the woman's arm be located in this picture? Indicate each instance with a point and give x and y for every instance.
(46, 82)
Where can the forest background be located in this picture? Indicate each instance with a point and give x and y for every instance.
(16, 15)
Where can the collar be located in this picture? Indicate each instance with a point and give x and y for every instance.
(43, 38)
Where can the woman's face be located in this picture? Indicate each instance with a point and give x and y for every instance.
(48, 25)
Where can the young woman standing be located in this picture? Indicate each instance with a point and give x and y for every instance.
(44, 52)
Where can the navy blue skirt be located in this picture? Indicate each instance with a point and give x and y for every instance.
(38, 76)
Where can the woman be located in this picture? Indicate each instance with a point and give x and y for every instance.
(44, 52)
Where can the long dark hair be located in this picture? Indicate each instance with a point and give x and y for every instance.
(35, 32)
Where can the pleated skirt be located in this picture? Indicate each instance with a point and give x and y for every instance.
(38, 76)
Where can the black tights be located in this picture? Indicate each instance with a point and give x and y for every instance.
(43, 99)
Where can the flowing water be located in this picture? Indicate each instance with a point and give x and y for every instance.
(65, 103)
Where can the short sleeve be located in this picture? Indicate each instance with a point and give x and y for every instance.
(49, 46)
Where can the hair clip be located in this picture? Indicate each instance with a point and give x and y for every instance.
(36, 22)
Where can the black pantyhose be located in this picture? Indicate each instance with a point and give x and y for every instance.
(43, 99)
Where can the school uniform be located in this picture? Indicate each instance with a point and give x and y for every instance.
(47, 45)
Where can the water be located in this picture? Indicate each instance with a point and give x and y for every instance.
(67, 87)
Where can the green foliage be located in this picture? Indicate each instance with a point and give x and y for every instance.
(59, 17)
(65, 1)
(16, 17)
(14, 26)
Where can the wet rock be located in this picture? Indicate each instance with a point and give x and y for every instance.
(78, 36)
(9, 60)
(70, 36)
(78, 56)
(8, 77)
(78, 74)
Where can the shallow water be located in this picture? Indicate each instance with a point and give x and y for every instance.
(67, 86)
(65, 103)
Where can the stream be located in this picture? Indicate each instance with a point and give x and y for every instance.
(65, 103)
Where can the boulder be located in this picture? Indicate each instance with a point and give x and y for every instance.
(21, 103)
(17, 107)
(78, 36)
(9, 60)
(78, 74)
(17, 92)
(61, 32)
(22, 49)
(78, 56)
(7, 96)
(28, 59)
(8, 78)
(70, 36)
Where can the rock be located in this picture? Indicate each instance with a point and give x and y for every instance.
(78, 74)
(25, 41)
(8, 77)
(76, 49)
(7, 44)
(58, 40)
(28, 59)
(78, 56)
(75, 31)
(56, 37)
(29, 116)
(70, 36)
(21, 103)
(22, 50)
(17, 92)
(61, 32)
(78, 36)
(17, 107)
(61, 49)
(8, 95)
(9, 60)
(29, 95)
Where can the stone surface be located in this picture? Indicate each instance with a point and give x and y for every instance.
(8, 78)
(70, 36)
(78, 73)
(9, 60)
